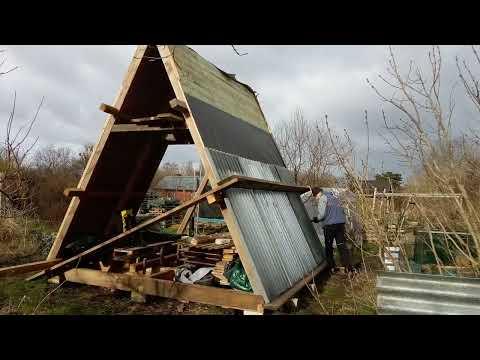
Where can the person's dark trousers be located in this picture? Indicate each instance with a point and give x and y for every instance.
(336, 232)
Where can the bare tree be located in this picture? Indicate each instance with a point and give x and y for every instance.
(14, 150)
(84, 155)
(423, 135)
(187, 169)
(292, 139)
(52, 158)
(306, 149)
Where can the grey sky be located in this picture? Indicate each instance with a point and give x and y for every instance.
(319, 79)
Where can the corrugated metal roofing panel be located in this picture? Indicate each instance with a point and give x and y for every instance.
(423, 294)
(275, 227)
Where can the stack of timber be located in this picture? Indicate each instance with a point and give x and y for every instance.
(143, 259)
(229, 256)
(200, 257)
(203, 250)
(217, 238)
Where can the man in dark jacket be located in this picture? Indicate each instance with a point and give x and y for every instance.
(332, 217)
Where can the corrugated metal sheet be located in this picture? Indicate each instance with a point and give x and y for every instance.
(275, 227)
(189, 183)
(422, 294)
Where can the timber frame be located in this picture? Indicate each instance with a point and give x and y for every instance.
(150, 112)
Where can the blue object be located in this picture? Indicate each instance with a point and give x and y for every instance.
(334, 213)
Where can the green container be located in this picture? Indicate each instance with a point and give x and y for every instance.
(424, 254)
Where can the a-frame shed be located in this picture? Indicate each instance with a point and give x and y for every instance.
(171, 95)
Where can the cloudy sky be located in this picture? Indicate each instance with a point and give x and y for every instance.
(319, 79)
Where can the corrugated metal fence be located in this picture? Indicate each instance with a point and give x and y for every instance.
(422, 294)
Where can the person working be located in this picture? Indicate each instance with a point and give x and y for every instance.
(332, 217)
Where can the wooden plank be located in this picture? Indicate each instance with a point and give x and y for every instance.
(179, 105)
(97, 150)
(142, 128)
(214, 198)
(190, 210)
(413, 195)
(283, 298)
(70, 192)
(141, 249)
(64, 265)
(114, 112)
(26, 268)
(198, 262)
(246, 182)
(233, 299)
(159, 117)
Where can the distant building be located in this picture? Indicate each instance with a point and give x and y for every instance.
(180, 188)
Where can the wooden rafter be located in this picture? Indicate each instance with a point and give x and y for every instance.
(137, 128)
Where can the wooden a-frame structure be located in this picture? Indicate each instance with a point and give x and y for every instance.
(152, 110)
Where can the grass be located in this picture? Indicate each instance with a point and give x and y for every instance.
(19, 297)
(334, 296)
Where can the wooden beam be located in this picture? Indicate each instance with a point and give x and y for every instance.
(114, 112)
(414, 195)
(138, 128)
(179, 105)
(141, 250)
(70, 192)
(284, 297)
(191, 209)
(159, 118)
(26, 268)
(246, 182)
(214, 198)
(233, 299)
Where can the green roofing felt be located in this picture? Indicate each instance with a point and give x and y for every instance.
(203, 80)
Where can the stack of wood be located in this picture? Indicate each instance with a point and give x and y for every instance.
(203, 250)
(208, 239)
(199, 257)
(143, 259)
(229, 256)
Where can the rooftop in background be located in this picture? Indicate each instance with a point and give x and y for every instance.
(187, 183)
